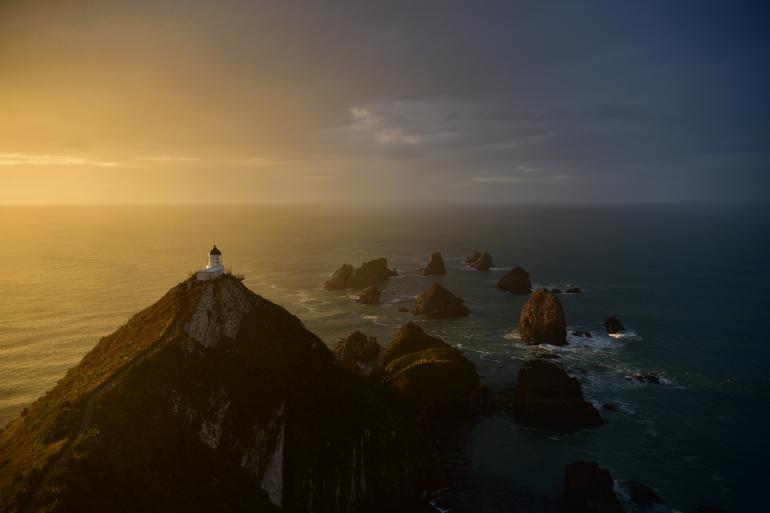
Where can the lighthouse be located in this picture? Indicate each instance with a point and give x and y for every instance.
(214, 269)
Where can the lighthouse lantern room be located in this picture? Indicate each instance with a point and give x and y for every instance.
(214, 269)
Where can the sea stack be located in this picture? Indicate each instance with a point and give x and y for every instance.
(370, 296)
(341, 278)
(542, 320)
(613, 326)
(434, 377)
(482, 263)
(435, 266)
(374, 272)
(516, 281)
(437, 302)
(472, 258)
(357, 352)
(548, 396)
(588, 488)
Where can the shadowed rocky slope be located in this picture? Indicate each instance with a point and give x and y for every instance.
(437, 382)
(212, 399)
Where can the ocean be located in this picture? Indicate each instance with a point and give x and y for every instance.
(689, 283)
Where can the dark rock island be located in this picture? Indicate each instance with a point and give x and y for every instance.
(588, 488)
(546, 395)
(357, 352)
(370, 296)
(516, 281)
(435, 266)
(479, 261)
(642, 494)
(613, 326)
(472, 258)
(373, 272)
(434, 377)
(542, 320)
(437, 302)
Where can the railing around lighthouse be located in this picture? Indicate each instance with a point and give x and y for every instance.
(239, 277)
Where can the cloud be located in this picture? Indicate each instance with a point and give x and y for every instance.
(165, 158)
(526, 175)
(220, 161)
(22, 159)
(498, 179)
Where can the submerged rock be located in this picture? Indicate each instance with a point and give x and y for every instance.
(613, 325)
(403, 309)
(555, 291)
(374, 272)
(709, 509)
(434, 377)
(230, 403)
(370, 296)
(588, 489)
(437, 302)
(642, 494)
(547, 396)
(647, 377)
(435, 265)
(516, 281)
(482, 263)
(584, 334)
(573, 290)
(542, 320)
(357, 352)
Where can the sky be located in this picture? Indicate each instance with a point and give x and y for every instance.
(232, 102)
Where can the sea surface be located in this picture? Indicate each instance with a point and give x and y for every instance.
(689, 282)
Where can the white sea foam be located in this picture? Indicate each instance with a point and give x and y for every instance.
(627, 335)
(597, 341)
(434, 498)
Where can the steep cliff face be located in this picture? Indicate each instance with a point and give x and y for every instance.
(213, 399)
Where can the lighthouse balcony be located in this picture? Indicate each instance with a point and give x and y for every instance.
(209, 273)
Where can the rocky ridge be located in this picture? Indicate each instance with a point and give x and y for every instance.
(232, 403)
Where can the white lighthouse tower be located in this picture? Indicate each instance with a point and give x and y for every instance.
(214, 269)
